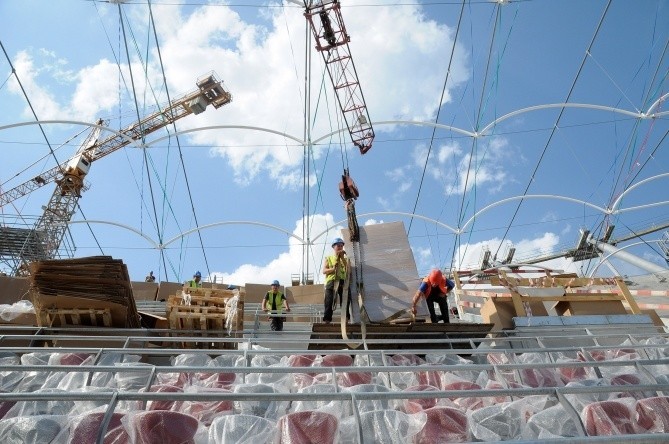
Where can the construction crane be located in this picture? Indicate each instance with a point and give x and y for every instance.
(327, 26)
(21, 246)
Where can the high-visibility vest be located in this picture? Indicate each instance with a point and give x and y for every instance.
(341, 273)
(274, 299)
(447, 283)
(194, 284)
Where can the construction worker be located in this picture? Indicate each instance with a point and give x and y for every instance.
(434, 289)
(274, 302)
(196, 281)
(150, 277)
(335, 269)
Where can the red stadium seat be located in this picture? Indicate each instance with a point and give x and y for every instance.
(607, 418)
(444, 424)
(308, 427)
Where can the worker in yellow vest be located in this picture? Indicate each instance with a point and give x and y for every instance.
(196, 282)
(336, 268)
(274, 302)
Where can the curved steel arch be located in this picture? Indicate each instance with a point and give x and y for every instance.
(155, 244)
(418, 216)
(74, 122)
(213, 127)
(631, 187)
(158, 246)
(566, 105)
(605, 258)
(530, 196)
(232, 222)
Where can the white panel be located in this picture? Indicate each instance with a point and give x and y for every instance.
(389, 271)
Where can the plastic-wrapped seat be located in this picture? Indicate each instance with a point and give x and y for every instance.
(85, 429)
(241, 429)
(308, 427)
(207, 411)
(163, 404)
(305, 405)
(495, 423)
(31, 429)
(552, 423)
(383, 426)
(266, 408)
(444, 424)
(53, 407)
(418, 404)
(608, 418)
(369, 405)
(161, 426)
(652, 414)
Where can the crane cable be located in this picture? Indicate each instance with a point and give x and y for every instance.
(181, 158)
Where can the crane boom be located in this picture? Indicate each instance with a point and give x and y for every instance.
(44, 240)
(327, 26)
(210, 91)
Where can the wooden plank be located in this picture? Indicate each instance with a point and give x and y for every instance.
(634, 307)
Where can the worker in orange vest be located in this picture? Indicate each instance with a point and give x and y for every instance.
(434, 289)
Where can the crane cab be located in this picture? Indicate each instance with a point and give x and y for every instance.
(78, 165)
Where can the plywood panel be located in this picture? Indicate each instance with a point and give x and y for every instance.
(144, 291)
(13, 289)
(168, 288)
(305, 294)
(390, 276)
(255, 293)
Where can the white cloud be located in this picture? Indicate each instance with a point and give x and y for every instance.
(289, 262)
(470, 255)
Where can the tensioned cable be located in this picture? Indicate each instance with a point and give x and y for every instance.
(458, 240)
(147, 158)
(557, 121)
(434, 129)
(646, 99)
(51, 150)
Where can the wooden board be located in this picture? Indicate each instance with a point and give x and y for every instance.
(406, 333)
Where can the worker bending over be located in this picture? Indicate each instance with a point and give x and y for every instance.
(434, 289)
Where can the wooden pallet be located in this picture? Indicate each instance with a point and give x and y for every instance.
(204, 317)
(58, 317)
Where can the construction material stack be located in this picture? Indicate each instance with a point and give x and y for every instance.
(206, 312)
(91, 291)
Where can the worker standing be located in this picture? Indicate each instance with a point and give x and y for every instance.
(336, 269)
(196, 281)
(434, 289)
(274, 302)
(150, 277)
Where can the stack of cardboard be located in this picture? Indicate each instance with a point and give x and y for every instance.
(91, 291)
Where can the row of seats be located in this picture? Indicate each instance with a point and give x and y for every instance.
(525, 419)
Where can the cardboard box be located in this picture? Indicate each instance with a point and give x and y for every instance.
(500, 312)
(573, 308)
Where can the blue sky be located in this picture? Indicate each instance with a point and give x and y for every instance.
(489, 146)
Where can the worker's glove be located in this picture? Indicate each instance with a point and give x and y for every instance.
(413, 310)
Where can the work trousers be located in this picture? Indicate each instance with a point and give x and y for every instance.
(441, 299)
(329, 300)
(276, 324)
